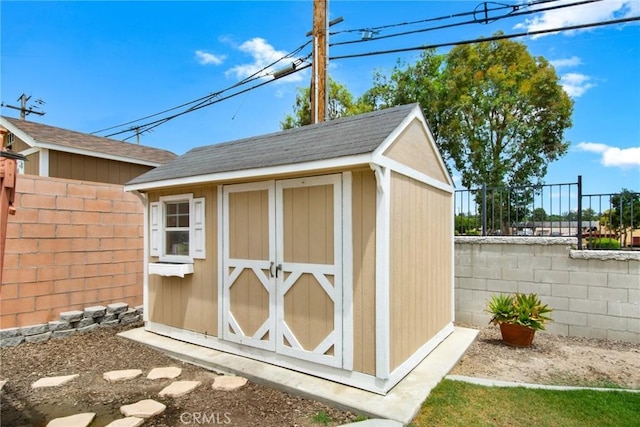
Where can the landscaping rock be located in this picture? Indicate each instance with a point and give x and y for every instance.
(228, 382)
(167, 372)
(179, 388)
(59, 325)
(2, 383)
(123, 375)
(109, 317)
(95, 311)
(53, 381)
(139, 309)
(71, 316)
(11, 342)
(143, 409)
(38, 338)
(132, 319)
(9, 333)
(85, 322)
(126, 422)
(78, 420)
(117, 307)
(125, 314)
(34, 329)
(109, 323)
(63, 334)
(89, 328)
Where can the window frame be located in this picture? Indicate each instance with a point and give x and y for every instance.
(158, 228)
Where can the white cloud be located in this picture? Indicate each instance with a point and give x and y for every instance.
(576, 84)
(581, 14)
(206, 58)
(613, 156)
(574, 61)
(262, 54)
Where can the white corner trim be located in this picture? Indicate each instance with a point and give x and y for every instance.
(383, 208)
(145, 254)
(347, 271)
(43, 167)
(221, 241)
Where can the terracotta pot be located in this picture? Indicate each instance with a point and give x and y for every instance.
(516, 335)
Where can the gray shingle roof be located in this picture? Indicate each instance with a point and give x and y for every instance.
(83, 141)
(342, 137)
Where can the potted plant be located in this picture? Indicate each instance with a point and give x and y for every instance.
(519, 316)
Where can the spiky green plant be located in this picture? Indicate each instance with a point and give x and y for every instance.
(522, 309)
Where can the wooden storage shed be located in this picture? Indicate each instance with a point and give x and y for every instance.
(326, 249)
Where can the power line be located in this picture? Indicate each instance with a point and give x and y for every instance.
(488, 39)
(485, 20)
(204, 99)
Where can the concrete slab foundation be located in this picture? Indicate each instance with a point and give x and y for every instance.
(400, 404)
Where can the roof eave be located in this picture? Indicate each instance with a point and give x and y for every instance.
(316, 165)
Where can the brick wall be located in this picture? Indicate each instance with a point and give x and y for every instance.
(70, 245)
(595, 294)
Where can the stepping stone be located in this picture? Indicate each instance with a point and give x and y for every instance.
(144, 409)
(179, 388)
(78, 420)
(126, 422)
(53, 381)
(228, 382)
(169, 372)
(124, 375)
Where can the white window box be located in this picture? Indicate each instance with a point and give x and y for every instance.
(167, 269)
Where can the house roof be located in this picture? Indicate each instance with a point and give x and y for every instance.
(348, 136)
(45, 136)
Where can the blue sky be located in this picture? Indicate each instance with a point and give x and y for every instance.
(100, 64)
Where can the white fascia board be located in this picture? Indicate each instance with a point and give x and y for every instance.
(416, 113)
(18, 132)
(339, 162)
(412, 173)
(73, 150)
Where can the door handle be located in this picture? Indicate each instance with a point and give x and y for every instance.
(271, 269)
(278, 267)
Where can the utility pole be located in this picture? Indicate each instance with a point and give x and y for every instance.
(319, 73)
(24, 110)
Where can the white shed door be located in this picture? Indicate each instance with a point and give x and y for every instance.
(283, 267)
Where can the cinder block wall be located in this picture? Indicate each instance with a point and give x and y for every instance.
(594, 293)
(70, 245)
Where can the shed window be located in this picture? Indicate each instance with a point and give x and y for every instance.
(177, 228)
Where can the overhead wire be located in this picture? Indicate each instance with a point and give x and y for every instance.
(468, 22)
(492, 38)
(199, 101)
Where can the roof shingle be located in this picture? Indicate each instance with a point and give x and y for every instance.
(342, 137)
(78, 140)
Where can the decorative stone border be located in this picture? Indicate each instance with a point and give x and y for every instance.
(73, 322)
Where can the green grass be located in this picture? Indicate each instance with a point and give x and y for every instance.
(322, 417)
(454, 403)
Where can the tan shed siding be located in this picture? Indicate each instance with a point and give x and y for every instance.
(32, 165)
(18, 144)
(86, 168)
(364, 269)
(413, 149)
(420, 263)
(191, 302)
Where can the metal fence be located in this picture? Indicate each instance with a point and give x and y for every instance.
(550, 210)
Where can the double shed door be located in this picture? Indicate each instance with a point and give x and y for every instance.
(282, 267)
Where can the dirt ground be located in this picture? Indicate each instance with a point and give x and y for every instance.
(551, 360)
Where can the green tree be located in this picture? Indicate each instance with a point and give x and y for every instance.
(539, 214)
(498, 114)
(340, 103)
(590, 215)
(624, 215)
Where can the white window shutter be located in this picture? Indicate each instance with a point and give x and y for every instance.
(155, 221)
(199, 237)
